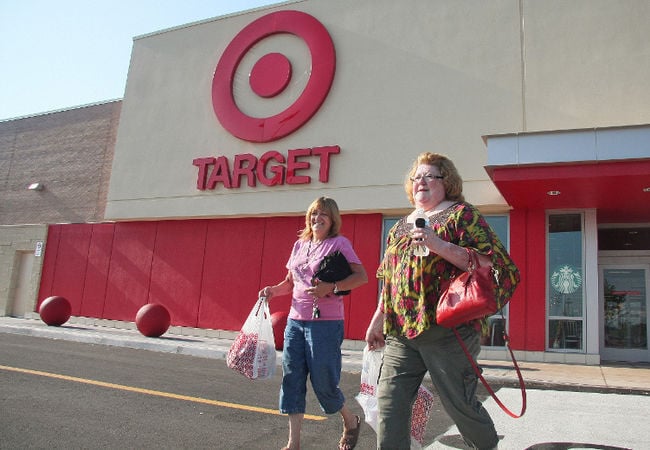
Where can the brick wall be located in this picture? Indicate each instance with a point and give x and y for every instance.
(70, 152)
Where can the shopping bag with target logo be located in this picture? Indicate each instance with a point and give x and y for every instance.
(367, 398)
(253, 352)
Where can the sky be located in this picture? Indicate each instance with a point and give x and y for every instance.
(62, 54)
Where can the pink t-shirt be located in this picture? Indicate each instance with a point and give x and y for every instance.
(304, 261)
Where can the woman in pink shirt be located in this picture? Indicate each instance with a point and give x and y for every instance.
(314, 332)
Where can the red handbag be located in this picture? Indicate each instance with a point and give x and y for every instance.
(469, 296)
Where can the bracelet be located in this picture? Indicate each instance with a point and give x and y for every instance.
(470, 261)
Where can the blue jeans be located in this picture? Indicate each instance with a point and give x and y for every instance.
(314, 348)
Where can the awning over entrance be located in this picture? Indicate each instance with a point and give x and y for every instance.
(607, 169)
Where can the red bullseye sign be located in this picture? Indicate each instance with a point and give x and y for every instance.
(271, 74)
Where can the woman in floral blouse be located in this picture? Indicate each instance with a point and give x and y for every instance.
(405, 319)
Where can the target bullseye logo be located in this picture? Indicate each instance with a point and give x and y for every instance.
(271, 74)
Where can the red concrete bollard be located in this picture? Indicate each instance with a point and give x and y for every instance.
(153, 320)
(55, 310)
(279, 322)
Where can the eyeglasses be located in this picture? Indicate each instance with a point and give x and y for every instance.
(426, 177)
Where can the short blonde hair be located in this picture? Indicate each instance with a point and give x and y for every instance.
(329, 206)
(452, 181)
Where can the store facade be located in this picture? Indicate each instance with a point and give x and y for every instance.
(230, 127)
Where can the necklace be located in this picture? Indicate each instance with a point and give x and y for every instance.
(315, 310)
(311, 241)
(304, 269)
(442, 206)
(310, 251)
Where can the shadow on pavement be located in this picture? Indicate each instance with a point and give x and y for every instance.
(572, 445)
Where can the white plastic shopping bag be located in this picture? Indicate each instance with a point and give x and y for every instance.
(367, 398)
(253, 352)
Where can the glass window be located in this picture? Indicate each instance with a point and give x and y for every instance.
(500, 226)
(626, 309)
(388, 224)
(498, 323)
(565, 285)
(624, 238)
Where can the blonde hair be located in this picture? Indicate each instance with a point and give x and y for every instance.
(452, 181)
(329, 206)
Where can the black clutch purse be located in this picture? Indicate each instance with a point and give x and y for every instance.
(334, 267)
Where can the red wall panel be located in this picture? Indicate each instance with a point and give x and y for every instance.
(279, 235)
(99, 258)
(536, 286)
(517, 308)
(130, 270)
(231, 272)
(71, 262)
(177, 269)
(528, 306)
(348, 229)
(206, 272)
(362, 302)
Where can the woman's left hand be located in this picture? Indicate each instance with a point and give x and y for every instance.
(320, 289)
(423, 236)
(453, 253)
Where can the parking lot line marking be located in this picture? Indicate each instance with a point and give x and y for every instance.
(122, 387)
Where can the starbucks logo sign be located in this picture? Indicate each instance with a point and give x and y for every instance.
(566, 280)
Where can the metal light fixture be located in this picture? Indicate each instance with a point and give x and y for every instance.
(36, 187)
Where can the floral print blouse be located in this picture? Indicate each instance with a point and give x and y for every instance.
(412, 285)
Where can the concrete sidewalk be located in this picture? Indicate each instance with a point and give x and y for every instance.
(215, 344)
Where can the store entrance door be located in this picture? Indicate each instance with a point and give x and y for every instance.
(17, 306)
(624, 312)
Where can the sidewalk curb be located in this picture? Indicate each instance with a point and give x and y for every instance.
(194, 346)
(215, 345)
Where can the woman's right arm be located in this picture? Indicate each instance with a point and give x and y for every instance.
(284, 287)
(375, 331)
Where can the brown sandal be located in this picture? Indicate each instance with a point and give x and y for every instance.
(350, 437)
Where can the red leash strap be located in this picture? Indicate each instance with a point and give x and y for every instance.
(522, 386)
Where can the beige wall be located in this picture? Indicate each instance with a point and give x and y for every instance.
(586, 63)
(414, 76)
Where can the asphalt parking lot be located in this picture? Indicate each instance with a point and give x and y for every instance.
(601, 407)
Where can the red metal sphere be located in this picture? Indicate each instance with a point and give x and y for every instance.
(153, 320)
(279, 322)
(55, 310)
